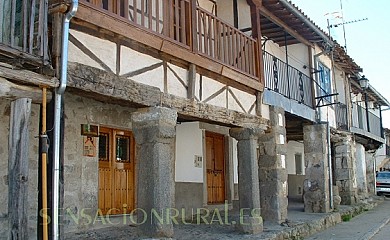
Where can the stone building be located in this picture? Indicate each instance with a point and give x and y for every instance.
(173, 110)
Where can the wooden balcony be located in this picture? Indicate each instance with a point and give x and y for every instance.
(23, 32)
(181, 29)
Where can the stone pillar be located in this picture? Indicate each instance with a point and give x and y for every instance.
(316, 185)
(154, 132)
(370, 172)
(248, 179)
(361, 178)
(272, 169)
(344, 172)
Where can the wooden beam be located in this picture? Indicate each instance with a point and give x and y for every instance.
(191, 81)
(15, 91)
(18, 146)
(28, 77)
(266, 13)
(108, 87)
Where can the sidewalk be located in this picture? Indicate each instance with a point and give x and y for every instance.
(299, 226)
(361, 227)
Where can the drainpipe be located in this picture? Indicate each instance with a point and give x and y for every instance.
(330, 167)
(57, 116)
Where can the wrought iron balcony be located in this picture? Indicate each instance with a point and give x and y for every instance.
(359, 120)
(287, 80)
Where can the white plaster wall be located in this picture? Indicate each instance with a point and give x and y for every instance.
(244, 14)
(240, 97)
(103, 49)
(177, 80)
(340, 85)
(328, 114)
(275, 50)
(380, 156)
(265, 111)
(209, 87)
(361, 168)
(132, 60)
(225, 11)
(189, 143)
(299, 57)
(294, 147)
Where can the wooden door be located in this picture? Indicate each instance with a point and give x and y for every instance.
(116, 171)
(215, 163)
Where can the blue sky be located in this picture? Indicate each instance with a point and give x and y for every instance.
(367, 41)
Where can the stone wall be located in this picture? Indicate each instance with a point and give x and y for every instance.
(370, 172)
(272, 169)
(344, 167)
(81, 172)
(5, 110)
(316, 197)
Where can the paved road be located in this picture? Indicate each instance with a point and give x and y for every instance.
(362, 227)
(383, 234)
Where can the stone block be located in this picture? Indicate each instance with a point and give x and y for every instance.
(250, 225)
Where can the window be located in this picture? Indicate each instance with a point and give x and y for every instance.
(298, 164)
(325, 81)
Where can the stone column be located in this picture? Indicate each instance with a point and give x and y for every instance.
(370, 172)
(154, 132)
(272, 169)
(248, 179)
(344, 172)
(361, 168)
(316, 185)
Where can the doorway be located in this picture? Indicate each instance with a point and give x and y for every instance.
(116, 171)
(215, 165)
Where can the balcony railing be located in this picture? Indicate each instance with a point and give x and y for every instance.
(23, 27)
(190, 26)
(359, 117)
(287, 80)
(341, 116)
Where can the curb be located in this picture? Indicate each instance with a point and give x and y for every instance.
(310, 228)
(374, 231)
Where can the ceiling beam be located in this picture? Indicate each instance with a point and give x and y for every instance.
(266, 13)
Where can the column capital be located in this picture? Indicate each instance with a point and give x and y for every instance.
(155, 123)
(245, 133)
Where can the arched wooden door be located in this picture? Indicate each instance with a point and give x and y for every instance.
(116, 171)
(215, 163)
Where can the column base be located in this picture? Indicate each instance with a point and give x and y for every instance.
(250, 225)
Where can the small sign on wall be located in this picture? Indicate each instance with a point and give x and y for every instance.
(89, 130)
(89, 146)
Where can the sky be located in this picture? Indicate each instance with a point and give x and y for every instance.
(367, 41)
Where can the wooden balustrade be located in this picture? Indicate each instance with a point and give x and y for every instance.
(190, 26)
(23, 26)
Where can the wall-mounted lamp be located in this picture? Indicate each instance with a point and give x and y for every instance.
(363, 81)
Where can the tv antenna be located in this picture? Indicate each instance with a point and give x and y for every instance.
(343, 23)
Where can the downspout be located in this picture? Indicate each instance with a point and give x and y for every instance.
(330, 167)
(57, 115)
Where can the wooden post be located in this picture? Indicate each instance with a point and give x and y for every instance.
(18, 148)
(45, 233)
(191, 81)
